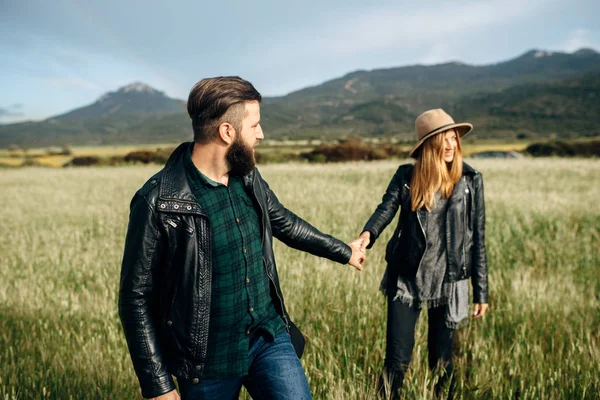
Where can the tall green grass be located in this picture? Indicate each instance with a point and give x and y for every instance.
(61, 244)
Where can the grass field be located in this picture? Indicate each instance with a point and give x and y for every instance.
(61, 245)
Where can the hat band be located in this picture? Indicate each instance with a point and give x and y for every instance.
(437, 129)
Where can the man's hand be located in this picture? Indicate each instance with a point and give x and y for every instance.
(366, 239)
(358, 254)
(479, 309)
(172, 395)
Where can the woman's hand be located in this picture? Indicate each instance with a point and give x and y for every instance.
(365, 237)
(479, 309)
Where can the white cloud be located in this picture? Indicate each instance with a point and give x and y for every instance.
(395, 34)
(402, 28)
(9, 115)
(580, 38)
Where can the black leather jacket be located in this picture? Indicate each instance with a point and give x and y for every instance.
(165, 289)
(465, 233)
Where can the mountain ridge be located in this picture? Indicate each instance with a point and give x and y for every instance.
(377, 102)
(134, 98)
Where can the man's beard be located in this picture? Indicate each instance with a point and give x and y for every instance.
(240, 158)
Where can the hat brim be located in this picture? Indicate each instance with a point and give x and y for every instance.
(463, 129)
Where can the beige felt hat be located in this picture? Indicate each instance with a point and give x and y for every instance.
(432, 122)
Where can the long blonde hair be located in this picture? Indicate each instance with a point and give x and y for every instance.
(431, 172)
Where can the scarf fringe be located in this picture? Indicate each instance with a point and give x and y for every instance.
(412, 302)
(456, 325)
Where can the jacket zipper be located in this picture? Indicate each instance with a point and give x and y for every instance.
(463, 243)
(425, 236)
(196, 346)
(172, 223)
(398, 232)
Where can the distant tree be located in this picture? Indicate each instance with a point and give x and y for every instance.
(84, 161)
(14, 151)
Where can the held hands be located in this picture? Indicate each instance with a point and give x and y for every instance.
(479, 309)
(359, 246)
(358, 254)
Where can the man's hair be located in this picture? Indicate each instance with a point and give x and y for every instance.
(213, 101)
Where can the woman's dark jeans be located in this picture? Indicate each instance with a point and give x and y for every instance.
(400, 336)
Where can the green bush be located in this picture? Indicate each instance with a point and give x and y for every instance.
(587, 148)
(158, 156)
(352, 149)
(84, 161)
(141, 156)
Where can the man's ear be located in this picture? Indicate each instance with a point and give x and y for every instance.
(227, 132)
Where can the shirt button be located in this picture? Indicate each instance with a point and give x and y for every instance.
(244, 251)
(169, 323)
(237, 220)
(251, 309)
(247, 333)
(198, 367)
(195, 381)
(247, 280)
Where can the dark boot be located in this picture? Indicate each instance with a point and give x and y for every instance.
(390, 382)
(446, 380)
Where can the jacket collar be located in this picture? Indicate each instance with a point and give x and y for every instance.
(468, 170)
(174, 184)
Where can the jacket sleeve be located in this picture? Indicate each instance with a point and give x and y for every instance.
(386, 210)
(479, 278)
(140, 261)
(299, 234)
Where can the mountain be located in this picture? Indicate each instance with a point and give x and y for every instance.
(536, 94)
(405, 92)
(134, 99)
(132, 114)
(567, 108)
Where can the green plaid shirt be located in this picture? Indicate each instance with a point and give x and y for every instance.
(240, 300)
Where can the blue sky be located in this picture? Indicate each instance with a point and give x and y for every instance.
(62, 54)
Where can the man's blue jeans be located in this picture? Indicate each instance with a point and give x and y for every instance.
(274, 373)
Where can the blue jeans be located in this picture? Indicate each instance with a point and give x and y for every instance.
(274, 372)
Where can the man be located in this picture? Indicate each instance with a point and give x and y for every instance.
(199, 297)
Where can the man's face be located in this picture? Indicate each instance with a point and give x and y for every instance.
(240, 154)
(251, 130)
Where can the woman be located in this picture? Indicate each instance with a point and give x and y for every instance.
(438, 245)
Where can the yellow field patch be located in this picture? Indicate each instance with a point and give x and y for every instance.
(107, 151)
(53, 161)
(10, 162)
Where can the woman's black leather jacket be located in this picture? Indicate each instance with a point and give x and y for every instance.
(465, 230)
